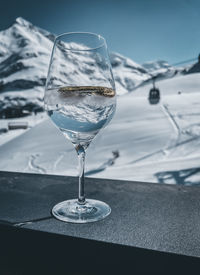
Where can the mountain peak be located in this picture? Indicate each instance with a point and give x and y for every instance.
(156, 65)
(23, 22)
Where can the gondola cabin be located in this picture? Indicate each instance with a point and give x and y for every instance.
(154, 96)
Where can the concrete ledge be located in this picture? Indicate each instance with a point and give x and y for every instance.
(152, 227)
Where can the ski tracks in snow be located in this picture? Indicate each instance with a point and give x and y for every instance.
(33, 166)
(175, 142)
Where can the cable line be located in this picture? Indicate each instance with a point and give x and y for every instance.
(185, 61)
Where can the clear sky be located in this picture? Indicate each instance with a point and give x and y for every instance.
(143, 30)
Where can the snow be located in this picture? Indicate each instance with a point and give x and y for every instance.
(32, 121)
(144, 142)
(152, 66)
(127, 73)
(141, 143)
(5, 137)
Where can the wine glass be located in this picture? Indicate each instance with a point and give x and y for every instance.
(80, 99)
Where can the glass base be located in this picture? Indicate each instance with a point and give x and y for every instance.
(72, 211)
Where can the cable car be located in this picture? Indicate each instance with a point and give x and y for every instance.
(154, 95)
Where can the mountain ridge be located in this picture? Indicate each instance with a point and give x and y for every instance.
(25, 52)
(23, 42)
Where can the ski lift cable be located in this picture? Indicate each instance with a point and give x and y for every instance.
(185, 61)
(153, 76)
(154, 93)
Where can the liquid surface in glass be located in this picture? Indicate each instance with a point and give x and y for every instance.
(80, 111)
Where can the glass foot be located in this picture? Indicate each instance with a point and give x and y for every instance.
(72, 211)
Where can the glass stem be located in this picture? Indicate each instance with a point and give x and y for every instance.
(81, 156)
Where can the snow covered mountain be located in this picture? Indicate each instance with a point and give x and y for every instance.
(152, 66)
(24, 58)
(127, 73)
(24, 55)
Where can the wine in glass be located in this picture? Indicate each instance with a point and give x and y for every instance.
(80, 99)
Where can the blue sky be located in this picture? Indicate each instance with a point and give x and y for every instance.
(140, 29)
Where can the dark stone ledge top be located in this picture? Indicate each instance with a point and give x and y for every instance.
(158, 217)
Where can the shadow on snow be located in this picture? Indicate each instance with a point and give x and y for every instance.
(180, 177)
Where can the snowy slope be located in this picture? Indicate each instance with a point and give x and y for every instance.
(158, 143)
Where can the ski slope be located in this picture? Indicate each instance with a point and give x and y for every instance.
(157, 143)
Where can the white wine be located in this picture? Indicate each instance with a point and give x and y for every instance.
(80, 111)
